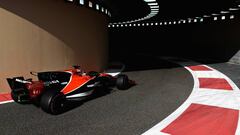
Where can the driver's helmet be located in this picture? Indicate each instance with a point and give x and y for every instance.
(78, 69)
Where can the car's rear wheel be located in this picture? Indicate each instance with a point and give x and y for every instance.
(52, 102)
(122, 82)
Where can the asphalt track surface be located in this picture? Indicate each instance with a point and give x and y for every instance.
(157, 94)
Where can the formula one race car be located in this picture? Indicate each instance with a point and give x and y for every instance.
(53, 88)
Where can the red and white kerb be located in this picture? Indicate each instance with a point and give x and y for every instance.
(5, 98)
(211, 109)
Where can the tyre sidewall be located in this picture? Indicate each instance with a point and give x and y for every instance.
(51, 100)
(122, 82)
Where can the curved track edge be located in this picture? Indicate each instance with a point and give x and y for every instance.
(211, 109)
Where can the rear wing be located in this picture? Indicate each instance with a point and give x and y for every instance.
(17, 83)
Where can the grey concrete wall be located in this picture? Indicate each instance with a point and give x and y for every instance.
(45, 35)
(235, 59)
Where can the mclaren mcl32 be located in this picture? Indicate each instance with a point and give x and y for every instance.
(54, 88)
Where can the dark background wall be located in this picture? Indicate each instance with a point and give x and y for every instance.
(214, 41)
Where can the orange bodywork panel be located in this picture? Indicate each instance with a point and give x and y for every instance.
(76, 82)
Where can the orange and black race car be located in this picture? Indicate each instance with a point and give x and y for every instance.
(53, 88)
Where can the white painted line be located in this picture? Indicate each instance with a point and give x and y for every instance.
(208, 74)
(155, 132)
(219, 98)
(5, 102)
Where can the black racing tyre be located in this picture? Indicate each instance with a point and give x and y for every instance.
(122, 82)
(52, 102)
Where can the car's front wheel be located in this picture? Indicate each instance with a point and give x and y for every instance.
(122, 82)
(52, 102)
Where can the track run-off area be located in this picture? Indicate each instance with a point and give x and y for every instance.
(171, 100)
